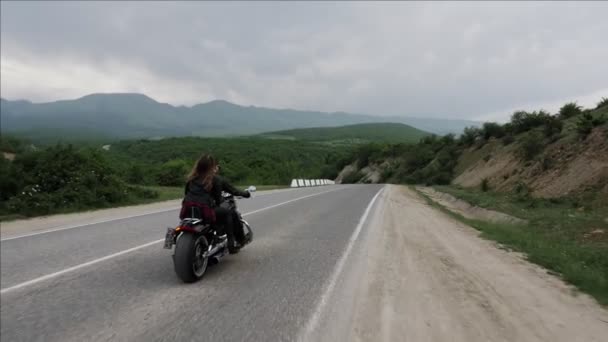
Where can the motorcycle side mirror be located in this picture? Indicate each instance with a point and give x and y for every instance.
(251, 188)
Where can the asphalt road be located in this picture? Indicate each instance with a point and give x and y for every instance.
(114, 281)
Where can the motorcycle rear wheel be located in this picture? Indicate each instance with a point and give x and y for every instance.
(189, 263)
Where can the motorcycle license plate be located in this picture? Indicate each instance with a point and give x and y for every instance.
(169, 238)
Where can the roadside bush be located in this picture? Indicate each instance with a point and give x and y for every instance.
(586, 122)
(9, 180)
(599, 120)
(63, 178)
(470, 135)
(492, 129)
(136, 174)
(531, 146)
(570, 110)
(522, 121)
(584, 125)
(173, 173)
(485, 186)
(522, 191)
(553, 126)
(508, 139)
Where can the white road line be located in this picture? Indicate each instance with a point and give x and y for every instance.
(313, 323)
(77, 267)
(52, 230)
(108, 257)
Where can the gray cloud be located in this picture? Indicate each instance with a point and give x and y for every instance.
(465, 60)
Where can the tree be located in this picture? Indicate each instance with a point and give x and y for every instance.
(172, 173)
(63, 177)
(603, 103)
(586, 122)
(522, 121)
(469, 135)
(553, 126)
(531, 145)
(569, 110)
(493, 129)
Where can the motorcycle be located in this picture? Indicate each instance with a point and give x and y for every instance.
(198, 244)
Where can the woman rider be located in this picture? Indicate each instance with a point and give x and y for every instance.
(205, 187)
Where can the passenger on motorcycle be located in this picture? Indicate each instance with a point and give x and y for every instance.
(204, 189)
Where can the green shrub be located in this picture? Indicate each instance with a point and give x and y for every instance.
(603, 103)
(522, 121)
(599, 120)
(62, 178)
(553, 126)
(485, 186)
(584, 125)
(136, 174)
(10, 182)
(522, 191)
(508, 139)
(531, 145)
(492, 129)
(570, 110)
(173, 173)
(470, 135)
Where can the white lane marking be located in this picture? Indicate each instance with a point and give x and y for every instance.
(52, 230)
(108, 257)
(77, 267)
(313, 323)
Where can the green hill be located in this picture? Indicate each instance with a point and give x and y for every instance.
(372, 132)
(128, 116)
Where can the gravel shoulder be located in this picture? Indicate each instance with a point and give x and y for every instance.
(427, 277)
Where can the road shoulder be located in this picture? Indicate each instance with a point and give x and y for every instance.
(427, 277)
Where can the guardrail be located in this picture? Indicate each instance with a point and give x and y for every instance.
(302, 183)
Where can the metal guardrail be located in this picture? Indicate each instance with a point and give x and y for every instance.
(302, 183)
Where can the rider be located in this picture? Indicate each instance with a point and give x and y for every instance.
(204, 186)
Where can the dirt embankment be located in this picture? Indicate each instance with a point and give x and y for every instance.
(427, 277)
(568, 166)
(370, 174)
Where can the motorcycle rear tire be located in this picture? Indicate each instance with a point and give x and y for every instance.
(186, 249)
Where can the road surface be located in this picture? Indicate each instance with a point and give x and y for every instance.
(357, 262)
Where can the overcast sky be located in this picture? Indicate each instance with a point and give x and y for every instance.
(429, 59)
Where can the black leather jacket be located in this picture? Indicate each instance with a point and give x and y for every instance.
(195, 192)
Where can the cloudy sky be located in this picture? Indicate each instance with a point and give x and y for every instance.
(428, 59)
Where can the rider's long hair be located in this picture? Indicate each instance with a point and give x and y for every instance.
(203, 171)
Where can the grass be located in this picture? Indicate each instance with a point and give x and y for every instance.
(557, 236)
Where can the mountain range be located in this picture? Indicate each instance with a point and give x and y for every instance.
(128, 115)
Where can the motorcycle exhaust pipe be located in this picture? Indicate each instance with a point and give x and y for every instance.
(216, 248)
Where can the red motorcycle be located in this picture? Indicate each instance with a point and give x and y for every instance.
(197, 244)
